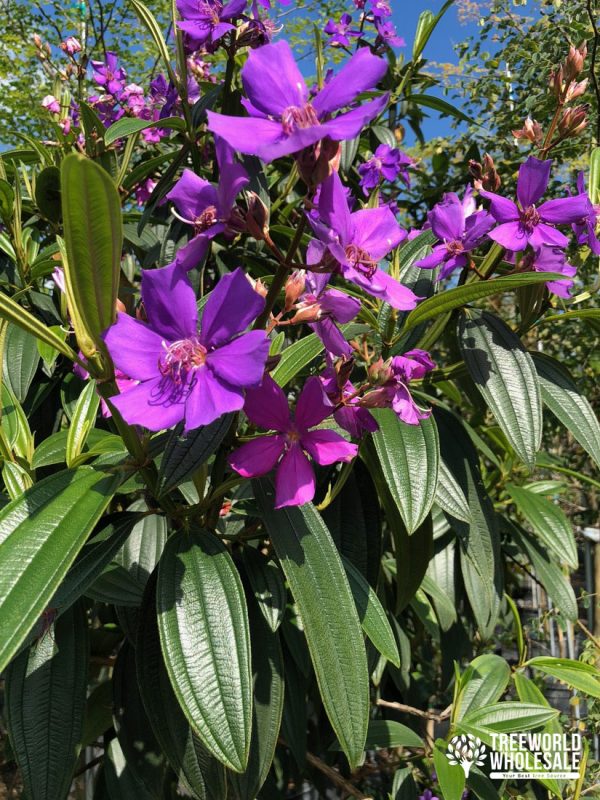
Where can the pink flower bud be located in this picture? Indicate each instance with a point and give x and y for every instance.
(51, 104)
(294, 287)
(70, 46)
(531, 130)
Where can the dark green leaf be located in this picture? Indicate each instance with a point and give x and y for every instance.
(21, 359)
(577, 674)
(47, 193)
(128, 125)
(268, 586)
(483, 683)
(390, 734)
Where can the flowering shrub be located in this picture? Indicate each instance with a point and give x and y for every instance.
(270, 448)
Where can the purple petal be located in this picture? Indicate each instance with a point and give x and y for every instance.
(255, 137)
(295, 479)
(532, 181)
(313, 405)
(546, 234)
(434, 259)
(191, 195)
(355, 420)
(454, 262)
(191, 255)
(231, 307)
(209, 399)
(339, 306)
(501, 208)
(510, 235)
(233, 9)
(361, 73)
(315, 251)
(170, 302)
(258, 456)
(406, 408)
(477, 225)
(565, 210)
(327, 447)
(134, 347)
(332, 337)
(148, 405)
(316, 281)
(267, 406)
(232, 177)
(333, 208)
(448, 219)
(377, 231)
(383, 286)
(272, 80)
(349, 125)
(242, 361)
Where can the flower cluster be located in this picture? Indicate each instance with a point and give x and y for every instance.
(374, 14)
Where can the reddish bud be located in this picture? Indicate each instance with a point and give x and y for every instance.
(575, 89)
(574, 62)
(573, 121)
(257, 217)
(317, 162)
(485, 176)
(531, 130)
(294, 287)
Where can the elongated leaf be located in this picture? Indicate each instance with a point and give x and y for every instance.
(185, 454)
(13, 312)
(267, 666)
(548, 521)
(576, 313)
(129, 125)
(203, 625)
(563, 398)
(528, 692)
(462, 295)
(409, 458)
(449, 496)
(445, 609)
(148, 20)
(584, 677)
(302, 352)
(387, 733)
(438, 104)
(320, 588)
(120, 780)
(202, 774)
(94, 239)
(268, 586)
(505, 375)
(82, 422)
(483, 684)
(450, 777)
(508, 717)
(21, 359)
(40, 535)
(45, 703)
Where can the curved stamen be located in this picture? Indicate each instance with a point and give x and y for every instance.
(180, 358)
(294, 117)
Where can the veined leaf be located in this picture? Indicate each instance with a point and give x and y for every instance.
(438, 104)
(450, 777)
(82, 422)
(129, 125)
(21, 359)
(449, 496)
(268, 586)
(203, 623)
(577, 674)
(505, 375)
(319, 586)
(483, 683)
(40, 535)
(390, 734)
(13, 312)
(508, 717)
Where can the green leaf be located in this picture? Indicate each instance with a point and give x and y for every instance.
(462, 295)
(581, 676)
(302, 352)
(15, 425)
(45, 704)
(563, 398)
(443, 106)
(7, 200)
(120, 780)
(202, 774)
(40, 535)
(148, 20)
(82, 422)
(16, 479)
(21, 359)
(445, 608)
(450, 777)
(389, 734)
(508, 717)
(483, 683)
(409, 458)
(504, 373)
(548, 521)
(320, 588)
(528, 692)
(449, 496)
(425, 27)
(594, 181)
(13, 312)
(47, 193)
(185, 454)
(267, 666)
(129, 125)
(371, 614)
(268, 586)
(204, 634)
(94, 239)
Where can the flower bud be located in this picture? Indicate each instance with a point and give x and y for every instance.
(574, 62)
(120, 306)
(70, 46)
(294, 287)
(317, 162)
(37, 40)
(306, 312)
(380, 372)
(377, 398)
(531, 130)
(575, 89)
(257, 217)
(485, 176)
(556, 83)
(573, 121)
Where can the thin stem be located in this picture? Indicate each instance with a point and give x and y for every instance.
(416, 712)
(594, 77)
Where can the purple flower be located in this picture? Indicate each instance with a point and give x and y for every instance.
(268, 408)
(282, 118)
(460, 227)
(386, 33)
(348, 414)
(394, 392)
(70, 46)
(109, 75)
(380, 8)
(387, 163)
(585, 229)
(205, 206)
(353, 244)
(428, 795)
(321, 308)
(144, 190)
(133, 96)
(206, 21)
(185, 373)
(341, 31)
(527, 223)
(51, 104)
(553, 259)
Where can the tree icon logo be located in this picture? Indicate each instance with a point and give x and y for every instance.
(466, 750)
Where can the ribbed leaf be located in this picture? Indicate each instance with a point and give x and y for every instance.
(505, 375)
(563, 398)
(483, 683)
(268, 586)
(409, 458)
(298, 355)
(449, 496)
(508, 717)
(462, 295)
(204, 635)
(371, 614)
(21, 359)
(451, 778)
(202, 774)
(577, 674)
(82, 421)
(267, 666)
(45, 704)
(389, 734)
(40, 535)
(129, 125)
(185, 454)
(120, 780)
(319, 586)
(93, 238)
(548, 521)
(13, 312)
